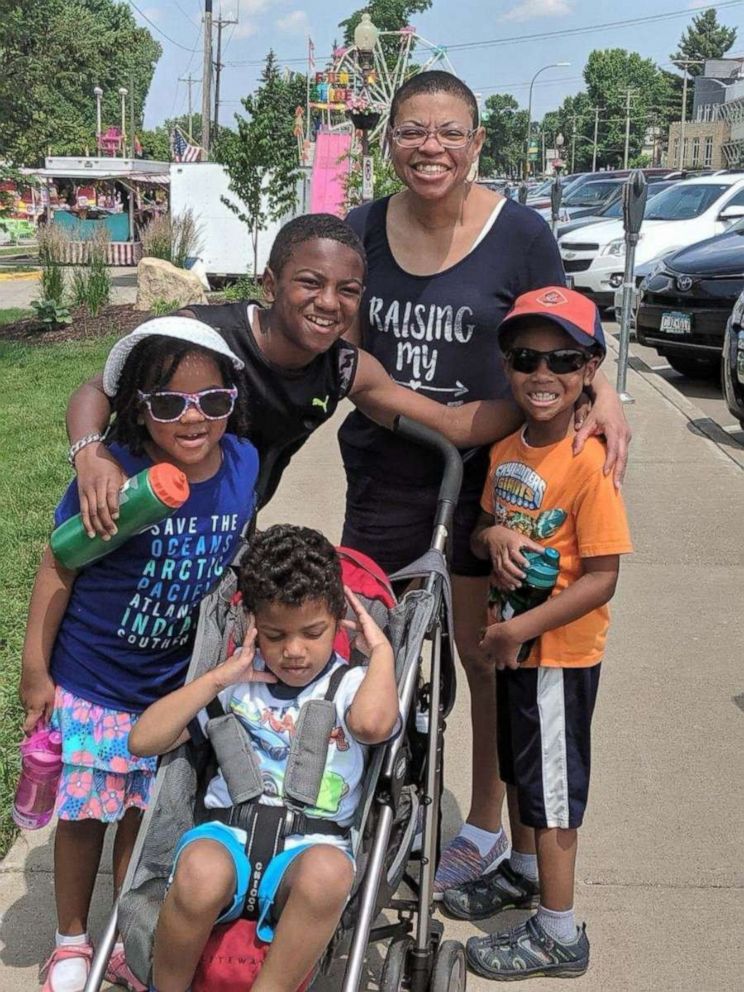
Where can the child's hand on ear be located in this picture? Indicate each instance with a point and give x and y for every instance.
(364, 632)
(239, 667)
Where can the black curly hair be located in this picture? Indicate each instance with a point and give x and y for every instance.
(291, 565)
(149, 367)
(434, 81)
(310, 227)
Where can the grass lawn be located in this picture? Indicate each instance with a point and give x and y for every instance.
(19, 250)
(12, 314)
(37, 381)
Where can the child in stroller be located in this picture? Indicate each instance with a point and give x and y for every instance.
(291, 583)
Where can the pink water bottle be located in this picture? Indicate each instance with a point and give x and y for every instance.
(41, 766)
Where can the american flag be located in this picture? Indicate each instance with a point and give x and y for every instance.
(182, 150)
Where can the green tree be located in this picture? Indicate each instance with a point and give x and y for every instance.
(261, 156)
(609, 74)
(506, 129)
(53, 53)
(156, 142)
(704, 39)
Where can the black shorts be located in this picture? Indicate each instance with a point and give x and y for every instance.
(393, 524)
(544, 718)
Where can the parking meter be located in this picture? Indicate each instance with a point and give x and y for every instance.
(635, 192)
(522, 194)
(556, 195)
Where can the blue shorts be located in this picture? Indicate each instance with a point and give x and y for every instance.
(233, 840)
(543, 727)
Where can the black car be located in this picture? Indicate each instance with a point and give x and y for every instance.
(732, 366)
(686, 302)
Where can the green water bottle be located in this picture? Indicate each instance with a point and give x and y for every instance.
(145, 499)
(541, 575)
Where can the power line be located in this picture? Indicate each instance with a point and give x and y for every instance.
(160, 30)
(538, 36)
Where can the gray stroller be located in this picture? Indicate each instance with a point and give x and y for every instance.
(402, 790)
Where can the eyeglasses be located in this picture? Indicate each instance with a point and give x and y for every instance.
(448, 136)
(168, 406)
(560, 362)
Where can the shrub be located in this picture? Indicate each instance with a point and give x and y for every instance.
(159, 308)
(51, 313)
(91, 282)
(245, 288)
(173, 238)
(52, 247)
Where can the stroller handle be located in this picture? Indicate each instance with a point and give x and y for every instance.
(449, 489)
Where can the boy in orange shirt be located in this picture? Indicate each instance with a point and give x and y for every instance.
(539, 494)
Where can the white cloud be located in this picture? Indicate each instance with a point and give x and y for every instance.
(246, 13)
(154, 13)
(529, 10)
(296, 22)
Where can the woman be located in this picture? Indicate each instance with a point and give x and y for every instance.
(446, 260)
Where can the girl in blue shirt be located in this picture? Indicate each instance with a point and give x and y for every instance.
(104, 643)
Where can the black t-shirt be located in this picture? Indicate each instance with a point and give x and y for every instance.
(285, 406)
(436, 334)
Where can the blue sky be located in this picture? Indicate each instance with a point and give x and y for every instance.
(284, 25)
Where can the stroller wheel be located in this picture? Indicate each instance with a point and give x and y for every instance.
(449, 973)
(396, 975)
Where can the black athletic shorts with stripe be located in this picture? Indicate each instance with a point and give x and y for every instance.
(544, 718)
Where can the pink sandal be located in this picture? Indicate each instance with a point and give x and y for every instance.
(118, 972)
(84, 951)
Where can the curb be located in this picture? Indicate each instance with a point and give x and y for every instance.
(10, 276)
(700, 423)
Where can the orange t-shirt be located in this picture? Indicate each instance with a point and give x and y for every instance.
(563, 501)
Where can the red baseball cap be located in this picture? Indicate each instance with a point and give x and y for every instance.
(571, 311)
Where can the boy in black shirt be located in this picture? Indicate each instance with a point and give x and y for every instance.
(297, 368)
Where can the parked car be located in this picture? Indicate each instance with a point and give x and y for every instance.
(684, 214)
(587, 198)
(732, 364)
(611, 211)
(539, 198)
(686, 303)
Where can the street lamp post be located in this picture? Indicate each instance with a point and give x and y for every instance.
(98, 93)
(553, 65)
(363, 117)
(123, 94)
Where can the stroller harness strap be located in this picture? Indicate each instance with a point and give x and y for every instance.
(265, 826)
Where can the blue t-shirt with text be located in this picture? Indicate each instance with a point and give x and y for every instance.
(128, 631)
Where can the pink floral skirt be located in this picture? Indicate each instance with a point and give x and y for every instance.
(100, 779)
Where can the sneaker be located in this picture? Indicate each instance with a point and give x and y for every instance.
(84, 951)
(118, 973)
(527, 952)
(493, 893)
(461, 862)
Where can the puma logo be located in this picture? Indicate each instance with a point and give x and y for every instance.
(323, 404)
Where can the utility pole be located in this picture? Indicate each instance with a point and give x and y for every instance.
(684, 63)
(218, 67)
(189, 80)
(596, 131)
(207, 77)
(629, 92)
(573, 142)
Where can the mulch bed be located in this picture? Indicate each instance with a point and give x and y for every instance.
(114, 319)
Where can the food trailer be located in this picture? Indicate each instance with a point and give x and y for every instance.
(84, 195)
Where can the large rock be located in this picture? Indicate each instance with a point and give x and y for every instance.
(158, 281)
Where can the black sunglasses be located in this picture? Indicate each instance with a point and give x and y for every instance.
(560, 361)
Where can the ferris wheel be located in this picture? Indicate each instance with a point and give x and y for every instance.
(373, 77)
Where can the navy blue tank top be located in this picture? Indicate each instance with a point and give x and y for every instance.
(436, 334)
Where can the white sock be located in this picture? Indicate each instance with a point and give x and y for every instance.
(72, 974)
(483, 839)
(559, 926)
(524, 864)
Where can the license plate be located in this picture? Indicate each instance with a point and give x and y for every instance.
(676, 322)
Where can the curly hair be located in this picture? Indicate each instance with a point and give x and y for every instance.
(291, 565)
(434, 81)
(149, 367)
(310, 227)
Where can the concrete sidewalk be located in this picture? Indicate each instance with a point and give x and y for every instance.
(660, 873)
